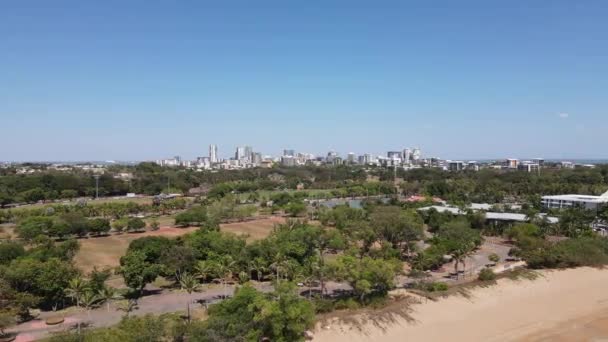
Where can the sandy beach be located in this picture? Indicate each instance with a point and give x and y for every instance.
(568, 305)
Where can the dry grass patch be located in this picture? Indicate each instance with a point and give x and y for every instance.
(255, 229)
(106, 251)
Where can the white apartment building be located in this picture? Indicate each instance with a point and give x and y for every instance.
(587, 202)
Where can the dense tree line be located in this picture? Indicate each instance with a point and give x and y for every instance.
(109, 210)
(487, 185)
(494, 186)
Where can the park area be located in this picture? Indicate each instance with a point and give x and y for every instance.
(106, 251)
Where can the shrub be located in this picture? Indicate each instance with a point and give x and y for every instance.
(431, 286)
(494, 257)
(486, 275)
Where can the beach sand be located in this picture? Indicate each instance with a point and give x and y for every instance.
(567, 305)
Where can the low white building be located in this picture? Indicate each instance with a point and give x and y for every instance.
(587, 202)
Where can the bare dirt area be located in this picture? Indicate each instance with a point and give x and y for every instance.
(7, 231)
(106, 251)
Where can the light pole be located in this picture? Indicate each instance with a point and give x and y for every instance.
(96, 186)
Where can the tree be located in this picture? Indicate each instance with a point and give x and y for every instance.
(136, 271)
(43, 279)
(204, 268)
(225, 267)
(285, 317)
(400, 228)
(327, 239)
(153, 247)
(9, 251)
(119, 225)
(278, 264)
(366, 275)
(190, 284)
(135, 224)
(128, 306)
(7, 319)
(258, 265)
(523, 230)
(33, 226)
(76, 288)
(154, 224)
(106, 294)
(295, 209)
(88, 299)
(77, 223)
(253, 316)
(99, 226)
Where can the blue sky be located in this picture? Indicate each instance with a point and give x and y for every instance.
(136, 80)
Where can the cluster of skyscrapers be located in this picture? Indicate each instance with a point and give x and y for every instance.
(245, 156)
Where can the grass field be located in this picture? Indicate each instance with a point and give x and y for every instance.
(106, 251)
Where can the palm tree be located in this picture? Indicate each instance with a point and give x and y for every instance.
(203, 269)
(190, 284)
(457, 257)
(76, 288)
(106, 294)
(278, 264)
(258, 265)
(128, 306)
(224, 269)
(87, 300)
(467, 253)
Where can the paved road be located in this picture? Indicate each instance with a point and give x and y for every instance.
(157, 301)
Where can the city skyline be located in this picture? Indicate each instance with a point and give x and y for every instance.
(460, 79)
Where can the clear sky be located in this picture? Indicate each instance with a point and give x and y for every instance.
(136, 80)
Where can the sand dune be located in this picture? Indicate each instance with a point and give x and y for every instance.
(569, 305)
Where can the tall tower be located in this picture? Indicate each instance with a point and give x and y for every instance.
(213, 153)
(407, 155)
(416, 154)
(248, 155)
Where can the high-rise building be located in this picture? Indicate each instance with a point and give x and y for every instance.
(289, 153)
(416, 154)
(248, 153)
(240, 153)
(331, 156)
(350, 158)
(407, 155)
(256, 158)
(213, 154)
(288, 161)
(393, 154)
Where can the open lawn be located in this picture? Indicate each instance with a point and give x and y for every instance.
(106, 251)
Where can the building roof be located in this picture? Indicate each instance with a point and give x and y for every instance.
(443, 209)
(579, 198)
(480, 206)
(491, 215)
